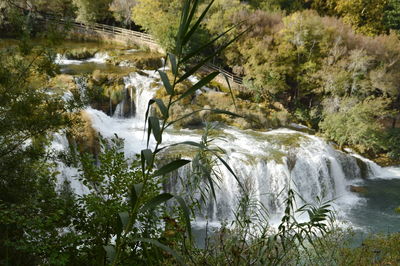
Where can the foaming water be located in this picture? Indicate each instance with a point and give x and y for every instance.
(66, 173)
(99, 58)
(267, 163)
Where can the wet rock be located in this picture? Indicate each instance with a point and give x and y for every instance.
(358, 189)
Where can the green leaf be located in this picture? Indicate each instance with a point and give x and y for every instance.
(146, 156)
(174, 66)
(207, 45)
(157, 200)
(182, 25)
(218, 111)
(198, 85)
(183, 117)
(229, 169)
(124, 218)
(230, 91)
(136, 191)
(145, 120)
(149, 127)
(197, 23)
(110, 252)
(191, 143)
(201, 63)
(167, 84)
(186, 214)
(162, 107)
(163, 247)
(155, 126)
(172, 166)
(210, 181)
(189, 19)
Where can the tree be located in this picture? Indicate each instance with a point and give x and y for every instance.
(122, 9)
(357, 124)
(92, 10)
(392, 15)
(366, 16)
(288, 6)
(31, 210)
(159, 18)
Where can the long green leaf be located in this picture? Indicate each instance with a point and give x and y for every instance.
(155, 126)
(149, 129)
(110, 252)
(145, 120)
(183, 117)
(155, 201)
(182, 24)
(207, 45)
(172, 166)
(186, 214)
(198, 85)
(217, 111)
(163, 247)
(191, 143)
(197, 23)
(230, 91)
(174, 66)
(165, 80)
(135, 193)
(229, 169)
(123, 218)
(147, 156)
(199, 65)
(189, 20)
(162, 107)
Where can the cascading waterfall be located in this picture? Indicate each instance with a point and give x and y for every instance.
(81, 83)
(99, 58)
(67, 173)
(262, 161)
(268, 163)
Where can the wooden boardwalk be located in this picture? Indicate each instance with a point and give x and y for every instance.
(126, 36)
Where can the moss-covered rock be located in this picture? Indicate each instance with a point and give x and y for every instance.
(62, 83)
(83, 136)
(105, 91)
(138, 59)
(358, 189)
(80, 54)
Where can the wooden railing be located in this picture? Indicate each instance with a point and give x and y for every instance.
(136, 35)
(102, 28)
(232, 77)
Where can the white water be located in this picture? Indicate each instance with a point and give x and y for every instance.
(66, 173)
(99, 58)
(258, 158)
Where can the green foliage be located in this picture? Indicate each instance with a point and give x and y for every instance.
(32, 212)
(356, 124)
(366, 16)
(289, 6)
(92, 10)
(164, 22)
(392, 15)
(378, 250)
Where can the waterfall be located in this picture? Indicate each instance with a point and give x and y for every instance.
(99, 58)
(130, 107)
(66, 173)
(81, 83)
(268, 163)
